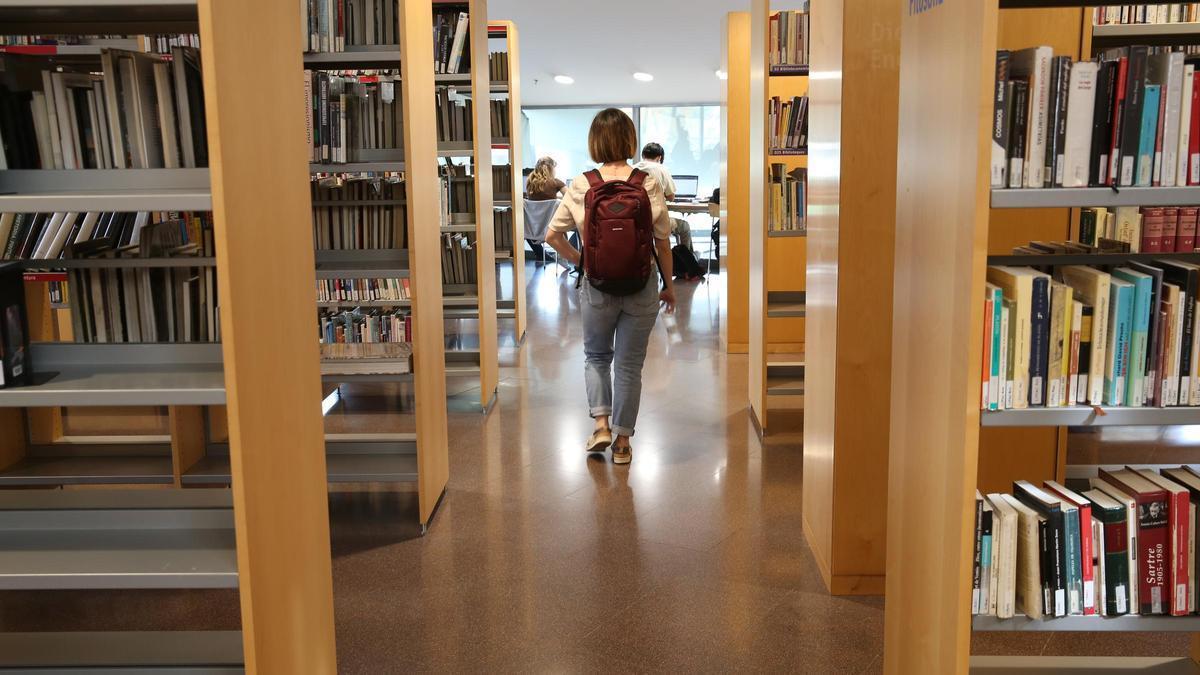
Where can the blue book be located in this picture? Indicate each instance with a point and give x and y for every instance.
(1143, 292)
(1039, 339)
(1145, 160)
(1120, 324)
(995, 380)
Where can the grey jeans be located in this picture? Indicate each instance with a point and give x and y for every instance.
(616, 330)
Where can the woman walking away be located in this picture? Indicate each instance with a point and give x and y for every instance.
(621, 214)
(542, 183)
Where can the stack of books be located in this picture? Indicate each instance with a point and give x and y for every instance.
(345, 217)
(1140, 229)
(364, 326)
(140, 111)
(67, 234)
(1179, 12)
(504, 229)
(1115, 335)
(1125, 546)
(332, 25)
(346, 114)
(455, 116)
(451, 42)
(362, 290)
(787, 39)
(458, 259)
(498, 66)
(499, 110)
(387, 358)
(788, 198)
(502, 181)
(787, 124)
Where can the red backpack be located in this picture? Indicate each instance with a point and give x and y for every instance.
(619, 243)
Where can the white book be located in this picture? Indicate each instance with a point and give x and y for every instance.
(66, 129)
(1081, 101)
(86, 228)
(1194, 376)
(1098, 549)
(1171, 113)
(166, 115)
(180, 60)
(52, 114)
(41, 129)
(304, 34)
(1004, 543)
(460, 37)
(139, 223)
(1092, 287)
(137, 83)
(1034, 63)
(98, 154)
(1185, 126)
(47, 235)
(55, 248)
(103, 146)
(1181, 381)
(1073, 378)
(1004, 399)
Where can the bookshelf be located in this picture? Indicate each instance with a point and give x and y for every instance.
(776, 284)
(513, 256)
(265, 372)
(942, 447)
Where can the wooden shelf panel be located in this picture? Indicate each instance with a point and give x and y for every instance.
(1034, 198)
(1081, 416)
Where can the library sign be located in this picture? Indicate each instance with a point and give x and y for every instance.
(918, 6)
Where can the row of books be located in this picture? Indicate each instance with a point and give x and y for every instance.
(345, 217)
(451, 42)
(1125, 546)
(366, 358)
(498, 67)
(787, 123)
(1122, 337)
(362, 290)
(140, 111)
(787, 39)
(69, 234)
(458, 259)
(500, 125)
(359, 326)
(502, 181)
(1129, 118)
(455, 116)
(346, 114)
(332, 25)
(503, 222)
(154, 43)
(1145, 229)
(178, 304)
(788, 198)
(1177, 12)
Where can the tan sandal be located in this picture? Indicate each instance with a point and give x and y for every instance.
(622, 455)
(599, 440)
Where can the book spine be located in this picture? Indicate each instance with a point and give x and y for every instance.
(1194, 133)
(1087, 553)
(1116, 566)
(1180, 526)
(1016, 148)
(1000, 123)
(1039, 342)
(1072, 557)
(1153, 557)
(997, 328)
(1148, 130)
(1060, 121)
(1185, 239)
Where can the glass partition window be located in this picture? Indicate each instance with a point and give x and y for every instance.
(690, 136)
(561, 133)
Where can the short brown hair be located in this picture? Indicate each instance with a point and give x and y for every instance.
(612, 137)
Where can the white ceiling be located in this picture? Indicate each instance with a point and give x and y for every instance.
(601, 43)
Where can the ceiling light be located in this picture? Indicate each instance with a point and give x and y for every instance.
(643, 77)
(722, 75)
(564, 79)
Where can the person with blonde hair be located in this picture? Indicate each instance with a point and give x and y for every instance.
(542, 183)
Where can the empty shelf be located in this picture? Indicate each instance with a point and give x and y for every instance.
(1086, 416)
(1128, 622)
(1027, 198)
(785, 386)
(33, 190)
(366, 467)
(785, 310)
(121, 651)
(89, 470)
(1082, 665)
(101, 385)
(463, 227)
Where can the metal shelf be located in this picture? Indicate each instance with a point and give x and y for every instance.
(356, 56)
(788, 71)
(89, 470)
(455, 148)
(1036, 198)
(1080, 416)
(1146, 33)
(1128, 622)
(452, 78)
(122, 263)
(211, 651)
(503, 255)
(43, 190)
(71, 374)
(785, 304)
(361, 270)
(1082, 665)
(356, 167)
(1088, 258)
(787, 233)
(785, 386)
(348, 304)
(98, 17)
(788, 152)
(110, 539)
(462, 227)
(359, 202)
(368, 467)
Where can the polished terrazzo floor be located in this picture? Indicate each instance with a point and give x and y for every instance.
(543, 560)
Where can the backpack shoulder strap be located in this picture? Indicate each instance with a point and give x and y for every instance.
(594, 178)
(636, 177)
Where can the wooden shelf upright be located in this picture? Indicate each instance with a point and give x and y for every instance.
(942, 447)
(265, 371)
(511, 88)
(776, 264)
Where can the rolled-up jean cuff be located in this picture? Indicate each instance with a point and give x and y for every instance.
(601, 411)
(622, 431)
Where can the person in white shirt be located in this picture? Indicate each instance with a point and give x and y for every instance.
(652, 163)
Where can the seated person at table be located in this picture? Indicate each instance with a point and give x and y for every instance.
(542, 184)
(652, 163)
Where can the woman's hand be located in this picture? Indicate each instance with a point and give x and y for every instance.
(667, 297)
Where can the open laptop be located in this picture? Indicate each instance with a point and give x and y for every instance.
(686, 187)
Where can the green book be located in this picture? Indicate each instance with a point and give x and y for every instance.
(1143, 288)
(1113, 552)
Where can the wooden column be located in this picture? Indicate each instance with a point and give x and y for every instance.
(853, 100)
(946, 75)
(187, 438)
(756, 308)
(515, 143)
(424, 242)
(735, 183)
(485, 232)
(259, 170)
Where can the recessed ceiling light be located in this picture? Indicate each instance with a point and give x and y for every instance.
(643, 77)
(564, 79)
(722, 75)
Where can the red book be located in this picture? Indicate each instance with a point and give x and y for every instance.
(1114, 150)
(1194, 134)
(1152, 538)
(1087, 548)
(1179, 522)
(1185, 238)
(1170, 229)
(1152, 229)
